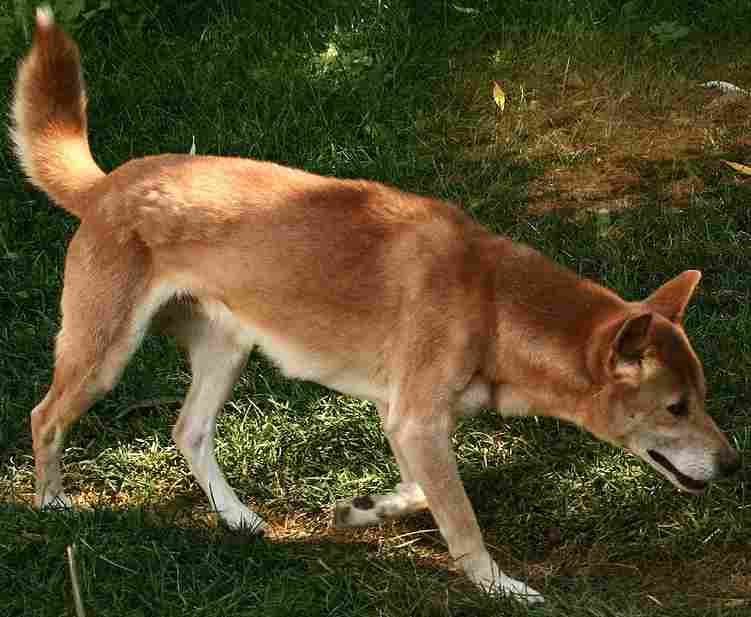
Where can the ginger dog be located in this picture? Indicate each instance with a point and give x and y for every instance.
(399, 299)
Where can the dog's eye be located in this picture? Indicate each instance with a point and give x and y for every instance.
(679, 409)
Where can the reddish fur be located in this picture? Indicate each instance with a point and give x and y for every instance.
(49, 119)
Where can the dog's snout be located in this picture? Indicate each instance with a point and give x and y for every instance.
(729, 462)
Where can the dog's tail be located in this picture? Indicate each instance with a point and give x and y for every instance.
(48, 117)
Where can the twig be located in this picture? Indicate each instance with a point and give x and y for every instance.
(71, 551)
(565, 78)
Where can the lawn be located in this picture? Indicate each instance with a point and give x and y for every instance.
(607, 156)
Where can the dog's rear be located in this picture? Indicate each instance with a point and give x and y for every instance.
(106, 279)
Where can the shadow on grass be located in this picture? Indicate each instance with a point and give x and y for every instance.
(132, 563)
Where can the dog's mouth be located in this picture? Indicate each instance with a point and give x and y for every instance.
(685, 482)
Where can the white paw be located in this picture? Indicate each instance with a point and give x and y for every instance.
(486, 574)
(53, 501)
(517, 590)
(242, 519)
(370, 510)
(357, 512)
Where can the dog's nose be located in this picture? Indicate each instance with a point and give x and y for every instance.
(729, 462)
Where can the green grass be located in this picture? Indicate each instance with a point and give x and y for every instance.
(398, 94)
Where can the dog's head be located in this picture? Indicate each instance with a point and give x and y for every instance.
(652, 397)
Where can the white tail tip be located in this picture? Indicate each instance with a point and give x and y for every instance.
(45, 16)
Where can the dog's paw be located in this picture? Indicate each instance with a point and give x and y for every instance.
(516, 590)
(357, 512)
(53, 501)
(245, 521)
(371, 510)
(486, 574)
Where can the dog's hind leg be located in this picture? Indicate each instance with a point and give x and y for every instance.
(106, 307)
(216, 362)
(368, 510)
(50, 421)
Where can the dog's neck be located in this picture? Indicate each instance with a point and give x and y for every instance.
(544, 316)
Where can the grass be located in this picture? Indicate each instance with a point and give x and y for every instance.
(607, 158)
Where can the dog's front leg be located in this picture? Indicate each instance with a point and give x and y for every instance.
(425, 445)
(366, 510)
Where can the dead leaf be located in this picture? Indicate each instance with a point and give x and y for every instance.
(744, 169)
(499, 96)
(724, 86)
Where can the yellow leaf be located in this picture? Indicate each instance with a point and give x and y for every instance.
(499, 96)
(744, 169)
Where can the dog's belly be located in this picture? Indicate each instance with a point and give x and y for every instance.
(354, 374)
(345, 375)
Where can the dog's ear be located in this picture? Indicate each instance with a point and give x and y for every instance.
(616, 350)
(633, 336)
(671, 299)
(627, 351)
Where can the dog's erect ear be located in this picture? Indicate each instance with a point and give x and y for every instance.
(615, 351)
(624, 363)
(633, 337)
(671, 299)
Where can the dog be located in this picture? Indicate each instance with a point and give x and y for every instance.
(399, 299)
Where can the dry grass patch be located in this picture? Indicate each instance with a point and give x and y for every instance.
(603, 138)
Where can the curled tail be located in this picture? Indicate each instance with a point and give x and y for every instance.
(48, 117)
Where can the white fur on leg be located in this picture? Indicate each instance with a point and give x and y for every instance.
(485, 573)
(49, 500)
(216, 364)
(232, 511)
(196, 442)
(366, 511)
